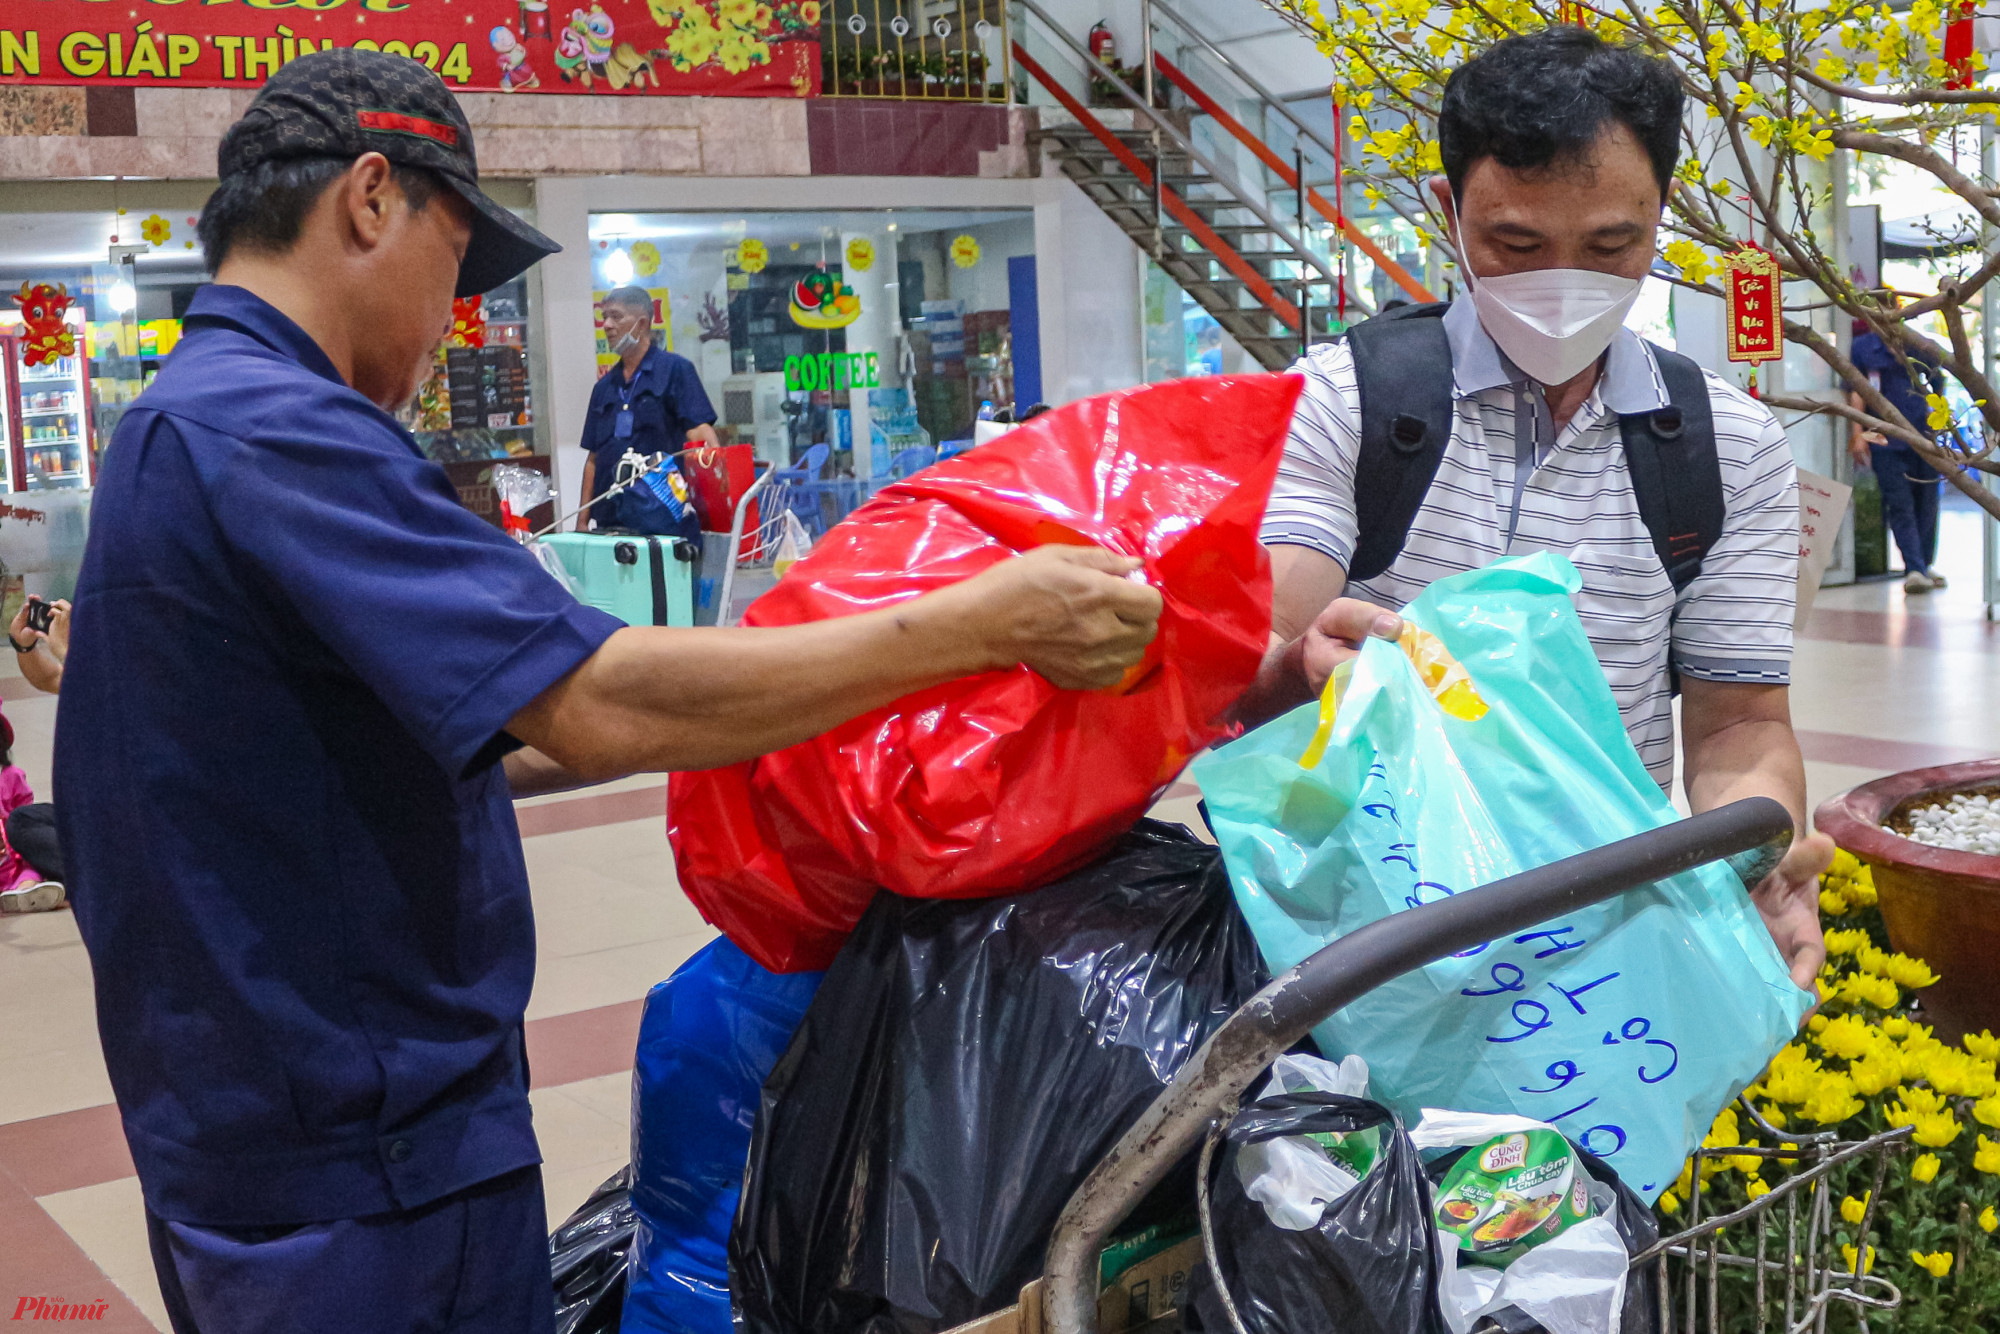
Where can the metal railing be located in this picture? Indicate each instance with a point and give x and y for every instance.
(916, 50)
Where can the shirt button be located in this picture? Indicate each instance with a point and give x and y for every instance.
(399, 1151)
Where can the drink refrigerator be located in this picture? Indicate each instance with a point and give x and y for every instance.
(47, 422)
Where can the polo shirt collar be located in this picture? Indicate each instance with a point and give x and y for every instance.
(1630, 382)
(218, 304)
(652, 370)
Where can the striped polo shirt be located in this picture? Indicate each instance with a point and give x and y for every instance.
(1510, 485)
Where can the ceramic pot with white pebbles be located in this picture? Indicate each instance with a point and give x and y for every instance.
(1932, 837)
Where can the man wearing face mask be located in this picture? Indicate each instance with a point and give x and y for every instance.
(1526, 418)
(651, 401)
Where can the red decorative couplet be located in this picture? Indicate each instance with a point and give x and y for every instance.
(1958, 45)
(1754, 317)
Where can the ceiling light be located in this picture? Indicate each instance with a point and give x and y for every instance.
(618, 268)
(123, 298)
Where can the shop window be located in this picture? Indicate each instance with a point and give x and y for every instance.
(59, 411)
(809, 328)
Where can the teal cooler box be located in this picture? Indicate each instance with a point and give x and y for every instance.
(639, 579)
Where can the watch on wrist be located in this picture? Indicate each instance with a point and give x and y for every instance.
(19, 647)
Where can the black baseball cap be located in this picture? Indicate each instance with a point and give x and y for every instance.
(343, 103)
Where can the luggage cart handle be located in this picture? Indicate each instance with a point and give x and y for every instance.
(1213, 1080)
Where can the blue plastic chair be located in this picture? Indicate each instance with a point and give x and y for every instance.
(807, 491)
(950, 449)
(907, 461)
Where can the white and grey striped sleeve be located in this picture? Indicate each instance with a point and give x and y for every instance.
(1312, 501)
(1734, 622)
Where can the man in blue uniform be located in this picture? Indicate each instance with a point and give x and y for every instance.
(651, 401)
(300, 683)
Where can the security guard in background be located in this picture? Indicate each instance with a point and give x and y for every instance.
(651, 401)
(304, 686)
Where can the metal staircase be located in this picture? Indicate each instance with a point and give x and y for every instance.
(1256, 270)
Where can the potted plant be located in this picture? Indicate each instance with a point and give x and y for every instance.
(1939, 904)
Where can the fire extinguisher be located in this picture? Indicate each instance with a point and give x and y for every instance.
(1103, 46)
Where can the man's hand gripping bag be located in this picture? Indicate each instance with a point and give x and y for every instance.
(1001, 782)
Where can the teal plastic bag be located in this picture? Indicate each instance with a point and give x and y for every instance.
(1629, 1025)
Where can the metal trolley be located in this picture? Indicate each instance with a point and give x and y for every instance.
(1804, 1278)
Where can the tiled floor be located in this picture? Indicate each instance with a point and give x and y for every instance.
(1882, 683)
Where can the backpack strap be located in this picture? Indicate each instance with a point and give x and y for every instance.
(1676, 474)
(1402, 374)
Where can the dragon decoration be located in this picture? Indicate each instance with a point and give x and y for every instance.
(42, 308)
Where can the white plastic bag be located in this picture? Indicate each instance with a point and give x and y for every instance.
(1294, 1178)
(793, 543)
(1573, 1283)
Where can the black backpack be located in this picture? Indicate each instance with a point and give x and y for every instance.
(1402, 368)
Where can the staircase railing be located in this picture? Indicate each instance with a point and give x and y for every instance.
(1171, 202)
(1289, 174)
(1312, 146)
(1244, 198)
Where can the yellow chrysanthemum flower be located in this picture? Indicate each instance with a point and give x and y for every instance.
(1848, 1037)
(1909, 973)
(1988, 1219)
(1932, 1129)
(1757, 1190)
(1792, 1077)
(1896, 1026)
(1669, 1203)
(1876, 1073)
(1847, 1255)
(1853, 1210)
(1833, 1101)
(1987, 1158)
(1937, 1262)
(1924, 1169)
(1982, 1044)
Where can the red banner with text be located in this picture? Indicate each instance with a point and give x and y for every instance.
(731, 48)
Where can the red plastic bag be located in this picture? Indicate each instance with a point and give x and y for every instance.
(1001, 782)
(719, 478)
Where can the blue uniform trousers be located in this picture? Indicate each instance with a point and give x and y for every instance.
(474, 1262)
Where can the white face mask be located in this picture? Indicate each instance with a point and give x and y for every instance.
(1552, 323)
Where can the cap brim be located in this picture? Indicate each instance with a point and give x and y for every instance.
(502, 247)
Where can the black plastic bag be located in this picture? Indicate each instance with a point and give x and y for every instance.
(587, 1255)
(963, 1067)
(1369, 1267)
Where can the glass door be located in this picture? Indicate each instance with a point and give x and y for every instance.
(54, 417)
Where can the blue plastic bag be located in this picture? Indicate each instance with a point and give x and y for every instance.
(1628, 1025)
(709, 1037)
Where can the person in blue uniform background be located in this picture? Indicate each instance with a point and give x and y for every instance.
(304, 686)
(651, 401)
(1909, 485)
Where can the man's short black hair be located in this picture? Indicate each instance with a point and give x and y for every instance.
(635, 299)
(1544, 97)
(263, 207)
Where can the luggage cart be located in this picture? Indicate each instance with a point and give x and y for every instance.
(750, 551)
(1193, 1109)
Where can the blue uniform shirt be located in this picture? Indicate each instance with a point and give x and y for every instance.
(294, 852)
(663, 402)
